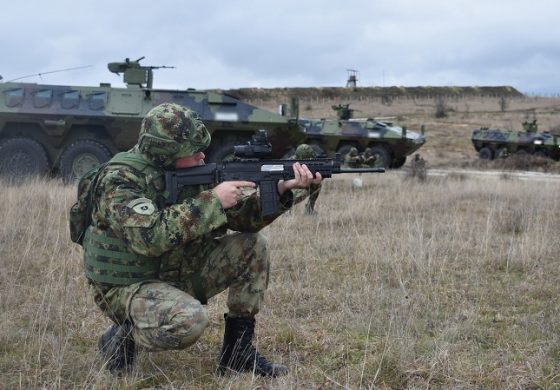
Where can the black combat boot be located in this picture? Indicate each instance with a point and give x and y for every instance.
(238, 352)
(117, 348)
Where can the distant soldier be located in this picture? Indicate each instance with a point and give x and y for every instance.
(370, 159)
(304, 152)
(353, 159)
(418, 167)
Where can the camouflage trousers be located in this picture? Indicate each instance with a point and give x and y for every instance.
(314, 191)
(168, 313)
(311, 194)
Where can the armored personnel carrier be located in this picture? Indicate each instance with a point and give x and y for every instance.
(496, 143)
(66, 130)
(391, 144)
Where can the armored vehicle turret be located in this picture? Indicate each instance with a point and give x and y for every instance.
(497, 143)
(66, 130)
(389, 143)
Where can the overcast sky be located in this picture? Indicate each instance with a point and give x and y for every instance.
(245, 43)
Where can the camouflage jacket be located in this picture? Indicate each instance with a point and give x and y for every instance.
(130, 205)
(300, 194)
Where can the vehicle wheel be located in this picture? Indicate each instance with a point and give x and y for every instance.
(501, 153)
(319, 151)
(81, 156)
(485, 154)
(383, 156)
(289, 154)
(344, 149)
(223, 152)
(21, 158)
(399, 162)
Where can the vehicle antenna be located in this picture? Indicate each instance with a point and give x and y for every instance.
(52, 71)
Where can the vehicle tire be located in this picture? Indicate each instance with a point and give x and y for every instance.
(289, 154)
(319, 151)
(398, 162)
(383, 156)
(223, 152)
(485, 154)
(81, 156)
(344, 149)
(501, 153)
(22, 158)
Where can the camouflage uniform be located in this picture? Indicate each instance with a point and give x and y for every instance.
(418, 167)
(372, 160)
(369, 158)
(304, 152)
(154, 266)
(353, 159)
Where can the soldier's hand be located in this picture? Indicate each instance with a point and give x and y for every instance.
(303, 178)
(230, 192)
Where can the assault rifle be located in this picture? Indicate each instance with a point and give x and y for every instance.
(264, 173)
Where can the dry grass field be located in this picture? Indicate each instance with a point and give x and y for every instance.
(405, 284)
(448, 283)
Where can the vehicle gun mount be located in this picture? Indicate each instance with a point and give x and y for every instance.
(343, 111)
(135, 74)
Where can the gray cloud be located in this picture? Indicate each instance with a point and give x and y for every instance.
(291, 43)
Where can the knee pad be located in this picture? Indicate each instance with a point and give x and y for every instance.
(179, 328)
(189, 328)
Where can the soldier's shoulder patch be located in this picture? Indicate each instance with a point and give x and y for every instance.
(142, 206)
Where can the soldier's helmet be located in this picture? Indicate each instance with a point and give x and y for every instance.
(353, 151)
(304, 151)
(368, 152)
(170, 131)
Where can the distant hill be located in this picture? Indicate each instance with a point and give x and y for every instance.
(283, 94)
(375, 101)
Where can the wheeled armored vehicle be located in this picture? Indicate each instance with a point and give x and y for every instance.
(66, 130)
(389, 143)
(497, 143)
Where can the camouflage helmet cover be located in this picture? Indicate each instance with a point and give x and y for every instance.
(304, 151)
(170, 131)
(353, 151)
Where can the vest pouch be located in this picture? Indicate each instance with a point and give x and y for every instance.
(79, 217)
(78, 222)
(109, 261)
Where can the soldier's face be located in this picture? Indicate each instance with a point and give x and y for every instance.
(190, 161)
